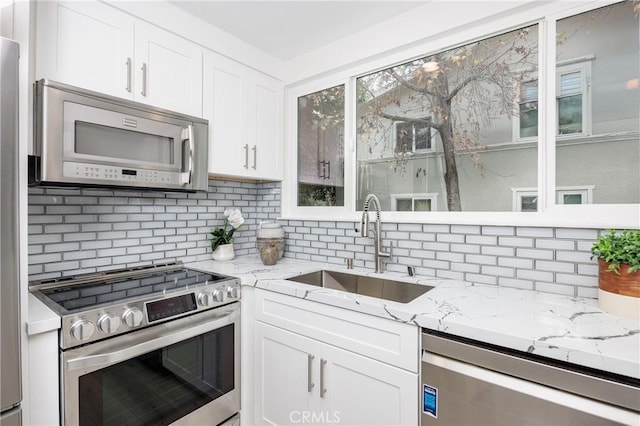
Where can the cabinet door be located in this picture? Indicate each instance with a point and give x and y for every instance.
(286, 371)
(267, 155)
(244, 109)
(168, 70)
(225, 106)
(362, 391)
(85, 44)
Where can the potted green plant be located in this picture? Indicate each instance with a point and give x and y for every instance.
(221, 238)
(618, 255)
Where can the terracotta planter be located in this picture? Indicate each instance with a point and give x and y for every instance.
(619, 294)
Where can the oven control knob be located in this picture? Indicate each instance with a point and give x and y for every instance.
(109, 323)
(218, 295)
(82, 329)
(132, 317)
(233, 292)
(205, 299)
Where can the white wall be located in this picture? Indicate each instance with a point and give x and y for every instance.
(178, 21)
(406, 35)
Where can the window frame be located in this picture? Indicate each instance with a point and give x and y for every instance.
(432, 136)
(581, 65)
(550, 213)
(431, 196)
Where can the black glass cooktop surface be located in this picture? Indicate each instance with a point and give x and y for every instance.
(74, 295)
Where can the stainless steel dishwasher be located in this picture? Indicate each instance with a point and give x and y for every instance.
(469, 383)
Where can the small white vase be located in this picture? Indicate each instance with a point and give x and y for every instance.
(224, 252)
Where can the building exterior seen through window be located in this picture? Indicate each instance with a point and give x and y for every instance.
(460, 129)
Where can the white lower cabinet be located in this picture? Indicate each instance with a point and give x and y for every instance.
(302, 380)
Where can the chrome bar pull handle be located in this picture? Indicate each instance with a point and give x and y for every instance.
(323, 390)
(187, 176)
(255, 156)
(328, 170)
(144, 79)
(246, 156)
(128, 63)
(310, 383)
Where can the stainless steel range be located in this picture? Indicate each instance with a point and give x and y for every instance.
(151, 345)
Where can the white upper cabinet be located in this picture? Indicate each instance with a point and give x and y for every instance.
(168, 70)
(97, 47)
(244, 109)
(85, 44)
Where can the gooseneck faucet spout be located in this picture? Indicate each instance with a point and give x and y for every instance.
(364, 230)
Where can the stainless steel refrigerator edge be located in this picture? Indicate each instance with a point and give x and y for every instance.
(10, 372)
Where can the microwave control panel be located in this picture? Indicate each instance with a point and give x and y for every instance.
(110, 173)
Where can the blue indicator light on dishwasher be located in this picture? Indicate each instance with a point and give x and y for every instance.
(430, 400)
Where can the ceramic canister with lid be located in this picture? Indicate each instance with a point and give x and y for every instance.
(270, 232)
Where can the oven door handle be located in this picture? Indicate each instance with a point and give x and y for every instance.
(154, 338)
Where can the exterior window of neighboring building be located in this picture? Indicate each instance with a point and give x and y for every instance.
(572, 101)
(414, 202)
(575, 195)
(526, 199)
(528, 109)
(414, 136)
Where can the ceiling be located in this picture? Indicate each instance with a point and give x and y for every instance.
(286, 29)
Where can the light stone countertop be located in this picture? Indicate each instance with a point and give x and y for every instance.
(554, 326)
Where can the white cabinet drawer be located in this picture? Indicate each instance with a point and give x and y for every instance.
(385, 340)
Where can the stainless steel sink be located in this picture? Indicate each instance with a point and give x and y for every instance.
(396, 291)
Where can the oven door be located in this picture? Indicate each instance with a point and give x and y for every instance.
(185, 371)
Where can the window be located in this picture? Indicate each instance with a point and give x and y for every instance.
(321, 148)
(575, 195)
(461, 105)
(414, 136)
(526, 199)
(466, 95)
(528, 109)
(414, 202)
(598, 104)
(572, 101)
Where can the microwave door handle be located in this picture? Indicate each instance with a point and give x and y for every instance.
(186, 176)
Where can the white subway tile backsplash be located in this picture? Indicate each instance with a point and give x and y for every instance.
(465, 248)
(94, 229)
(450, 238)
(534, 232)
(535, 254)
(515, 283)
(573, 256)
(481, 279)
(555, 244)
(534, 275)
(498, 271)
(588, 270)
(482, 239)
(481, 259)
(555, 266)
(555, 288)
(515, 242)
(577, 234)
(498, 230)
(465, 229)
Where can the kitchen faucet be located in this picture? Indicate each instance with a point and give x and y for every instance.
(364, 230)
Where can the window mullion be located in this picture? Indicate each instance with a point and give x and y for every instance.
(547, 118)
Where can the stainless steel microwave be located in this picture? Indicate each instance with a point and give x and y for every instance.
(83, 138)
